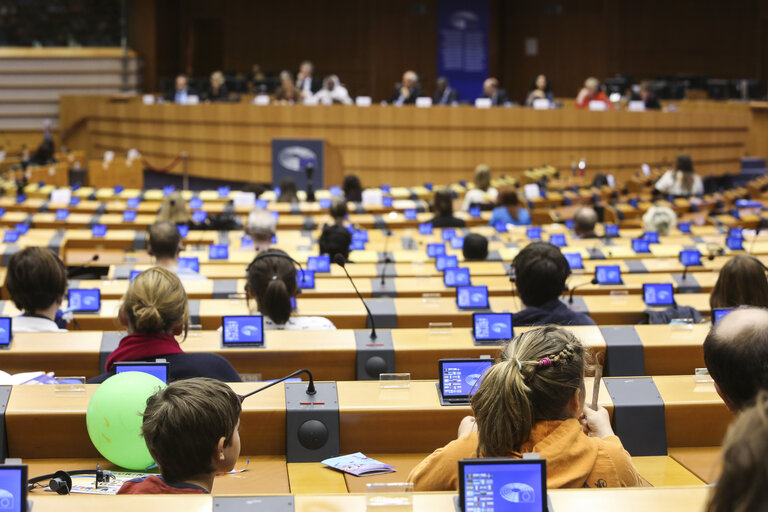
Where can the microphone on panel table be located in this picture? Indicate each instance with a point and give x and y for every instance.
(310, 388)
(341, 261)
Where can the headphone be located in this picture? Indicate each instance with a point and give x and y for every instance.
(271, 253)
(61, 481)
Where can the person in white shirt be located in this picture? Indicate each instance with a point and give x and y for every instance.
(37, 283)
(483, 193)
(332, 92)
(683, 181)
(305, 81)
(165, 245)
(261, 227)
(660, 219)
(271, 282)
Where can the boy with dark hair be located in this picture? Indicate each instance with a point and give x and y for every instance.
(37, 283)
(540, 274)
(192, 431)
(165, 245)
(475, 247)
(335, 240)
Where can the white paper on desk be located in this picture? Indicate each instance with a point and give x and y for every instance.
(541, 104)
(531, 191)
(61, 196)
(423, 102)
(363, 101)
(359, 465)
(483, 103)
(261, 100)
(247, 199)
(636, 106)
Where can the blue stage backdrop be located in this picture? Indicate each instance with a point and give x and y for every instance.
(462, 46)
(291, 156)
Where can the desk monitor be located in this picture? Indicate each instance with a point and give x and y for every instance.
(447, 234)
(132, 203)
(608, 274)
(99, 231)
(658, 294)
(386, 201)
(242, 331)
(195, 203)
(324, 203)
(690, 257)
(199, 216)
(457, 242)
(459, 378)
(736, 232)
(503, 485)
(246, 242)
(357, 245)
(456, 277)
(734, 243)
(719, 313)
(13, 488)
(223, 192)
(492, 326)
(159, 370)
(574, 260)
(320, 263)
(21, 227)
(360, 234)
(651, 236)
(6, 334)
(218, 252)
(62, 214)
(558, 240)
(472, 297)
(533, 233)
(133, 275)
(611, 230)
(569, 224)
(10, 237)
(129, 216)
(641, 245)
(81, 300)
(444, 262)
(410, 214)
(684, 227)
(436, 249)
(183, 230)
(474, 212)
(189, 263)
(500, 227)
(305, 279)
(425, 228)
(335, 191)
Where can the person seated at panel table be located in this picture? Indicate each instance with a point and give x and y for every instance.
(491, 90)
(408, 90)
(659, 218)
(306, 81)
(532, 400)
(743, 483)
(509, 209)
(475, 247)
(192, 430)
(352, 188)
(736, 355)
(540, 90)
(257, 77)
(261, 226)
(217, 88)
(444, 93)
(339, 211)
(288, 191)
(174, 208)
(541, 271)
(335, 240)
(333, 92)
(646, 95)
(154, 311)
(271, 282)
(591, 92)
(37, 282)
(483, 194)
(683, 181)
(287, 93)
(443, 208)
(584, 221)
(165, 245)
(741, 282)
(181, 92)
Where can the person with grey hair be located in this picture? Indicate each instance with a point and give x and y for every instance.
(584, 221)
(407, 91)
(261, 227)
(491, 90)
(305, 80)
(660, 219)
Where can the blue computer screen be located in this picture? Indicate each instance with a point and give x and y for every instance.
(510, 486)
(133, 275)
(129, 215)
(199, 216)
(425, 228)
(10, 237)
(99, 230)
(5, 334)
(492, 326)
(435, 250)
(641, 245)
(189, 263)
(243, 329)
(718, 314)
(735, 243)
(410, 214)
(84, 300)
(659, 294)
(132, 203)
(533, 233)
(611, 230)
(457, 242)
(218, 252)
(456, 277)
(156, 370)
(62, 214)
(608, 274)
(574, 260)
(305, 279)
(195, 203)
(684, 227)
(558, 240)
(319, 263)
(690, 257)
(447, 234)
(183, 230)
(472, 297)
(462, 377)
(13, 489)
(446, 261)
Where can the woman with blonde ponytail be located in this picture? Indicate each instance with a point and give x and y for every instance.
(154, 311)
(532, 401)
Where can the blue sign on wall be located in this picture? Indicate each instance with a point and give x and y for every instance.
(462, 46)
(290, 157)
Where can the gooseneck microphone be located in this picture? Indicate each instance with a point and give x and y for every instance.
(754, 239)
(78, 269)
(310, 388)
(341, 261)
(387, 234)
(570, 296)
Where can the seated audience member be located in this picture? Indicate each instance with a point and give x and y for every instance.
(335, 240)
(444, 93)
(407, 91)
(741, 282)
(352, 188)
(683, 181)
(165, 246)
(475, 247)
(192, 430)
(287, 93)
(660, 219)
(591, 92)
(509, 209)
(483, 193)
(648, 97)
(491, 90)
(271, 282)
(174, 209)
(257, 78)
(339, 211)
(540, 274)
(743, 484)
(154, 310)
(443, 208)
(181, 91)
(288, 191)
(333, 92)
(540, 90)
(46, 151)
(584, 221)
(261, 226)
(306, 81)
(37, 282)
(532, 400)
(217, 88)
(736, 355)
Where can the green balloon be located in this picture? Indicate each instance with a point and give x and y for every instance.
(114, 418)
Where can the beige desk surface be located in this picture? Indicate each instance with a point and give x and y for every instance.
(704, 462)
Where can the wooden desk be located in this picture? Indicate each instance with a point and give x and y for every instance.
(704, 462)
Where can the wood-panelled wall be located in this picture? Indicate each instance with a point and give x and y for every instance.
(404, 146)
(370, 43)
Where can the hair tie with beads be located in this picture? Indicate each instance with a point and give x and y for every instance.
(545, 362)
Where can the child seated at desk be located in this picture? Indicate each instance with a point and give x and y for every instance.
(37, 283)
(532, 401)
(192, 429)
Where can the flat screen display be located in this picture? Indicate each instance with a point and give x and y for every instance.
(242, 330)
(456, 277)
(608, 274)
(83, 300)
(574, 260)
(218, 252)
(503, 485)
(658, 294)
(319, 263)
(459, 378)
(159, 370)
(436, 249)
(492, 326)
(472, 297)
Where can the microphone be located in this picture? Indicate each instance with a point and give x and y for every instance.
(752, 245)
(76, 270)
(387, 234)
(570, 297)
(310, 388)
(685, 272)
(341, 261)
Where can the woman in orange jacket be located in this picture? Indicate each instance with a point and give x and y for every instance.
(532, 400)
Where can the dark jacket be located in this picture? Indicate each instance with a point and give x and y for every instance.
(415, 92)
(186, 366)
(447, 221)
(499, 98)
(553, 312)
(448, 96)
